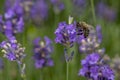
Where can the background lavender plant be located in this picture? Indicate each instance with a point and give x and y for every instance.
(58, 6)
(115, 64)
(12, 21)
(94, 69)
(94, 66)
(79, 6)
(105, 12)
(39, 11)
(13, 50)
(42, 52)
(110, 38)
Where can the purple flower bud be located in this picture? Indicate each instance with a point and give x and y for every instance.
(11, 23)
(65, 34)
(92, 68)
(42, 52)
(12, 50)
(21, 7)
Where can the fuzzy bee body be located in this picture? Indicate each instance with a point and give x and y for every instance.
(83, 29)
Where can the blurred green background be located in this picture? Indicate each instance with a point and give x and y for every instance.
(111, 42)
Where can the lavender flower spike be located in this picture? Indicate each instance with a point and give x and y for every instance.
(39, 11)
(66, 33)
(12, 50)
(12, 21)
(58, 5)
(92, 42)
(93, 68)
(42, 52)
(104, 11)
(115, 64)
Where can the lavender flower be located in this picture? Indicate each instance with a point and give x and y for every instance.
(115, 64)
(9, 4)
(105, 12)
(42, 52)
(92, 42)
(93, 68)
(79, 3)
(65, 34)
(12, 50)
(99, 34)
(79, 6)
(25, 4)
(12, 21)
(90, 59)
(58, 5)
(15, 6)
(39, 11)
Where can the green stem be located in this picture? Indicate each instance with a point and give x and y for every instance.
(7, 72)
(67, 70)
(22, 71)
(93, 11)
(41, 74)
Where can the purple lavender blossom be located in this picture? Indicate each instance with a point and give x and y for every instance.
(9, 4)
(92, 68)
(12, 22)
(42, 52)
(15, 6)
(79, 7)
(26, 5)
(115, 64)
(65, 34)
(12, 50)
(58, 5)
(91, 59)
(99, 34)
(92, 43)
(39, 11)
(23, 6)
(12, 3)
(105, 12)
(79, 3)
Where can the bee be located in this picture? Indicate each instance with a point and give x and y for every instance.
(83, 28)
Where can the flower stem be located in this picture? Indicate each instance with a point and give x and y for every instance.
(41, 74)
(67, 70)
(93, 11)
(22, 70)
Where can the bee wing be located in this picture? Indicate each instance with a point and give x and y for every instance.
(91, 30)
